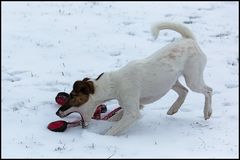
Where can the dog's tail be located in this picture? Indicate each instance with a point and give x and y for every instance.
(184, 31)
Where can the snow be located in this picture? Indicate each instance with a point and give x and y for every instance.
(47, 46)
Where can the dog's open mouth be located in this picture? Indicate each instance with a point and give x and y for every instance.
(79, 121)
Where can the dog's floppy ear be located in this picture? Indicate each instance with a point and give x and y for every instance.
(85, 87)
(78, 86)
(90, 86)
(86, 79)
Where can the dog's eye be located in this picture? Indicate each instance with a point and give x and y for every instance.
(72, 95)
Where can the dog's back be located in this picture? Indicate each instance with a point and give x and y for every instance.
(160, 71)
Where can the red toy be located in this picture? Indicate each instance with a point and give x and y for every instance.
(58, 126)
(61, 98)
(61, 126)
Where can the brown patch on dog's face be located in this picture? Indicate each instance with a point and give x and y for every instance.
(80, 93)
(78, 96)
(77, 99)
(84, 86)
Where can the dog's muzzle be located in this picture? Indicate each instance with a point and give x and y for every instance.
(82, 121)
(60, 114)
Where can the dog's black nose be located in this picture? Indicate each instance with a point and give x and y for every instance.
(57, 113)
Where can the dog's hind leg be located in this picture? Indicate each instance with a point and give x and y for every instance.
(194, 80)
(200, 87)
(182, 93)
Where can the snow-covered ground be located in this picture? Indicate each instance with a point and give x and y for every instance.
(47, 46)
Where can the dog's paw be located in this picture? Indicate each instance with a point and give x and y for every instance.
(172, 111)
(207, 113)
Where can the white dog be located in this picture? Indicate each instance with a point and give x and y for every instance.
(145, 81)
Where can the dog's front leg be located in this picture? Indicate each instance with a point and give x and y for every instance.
(127, 120)
(130, 114)
(117, 116)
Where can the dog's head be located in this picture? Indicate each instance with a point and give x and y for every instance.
(79, 100)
